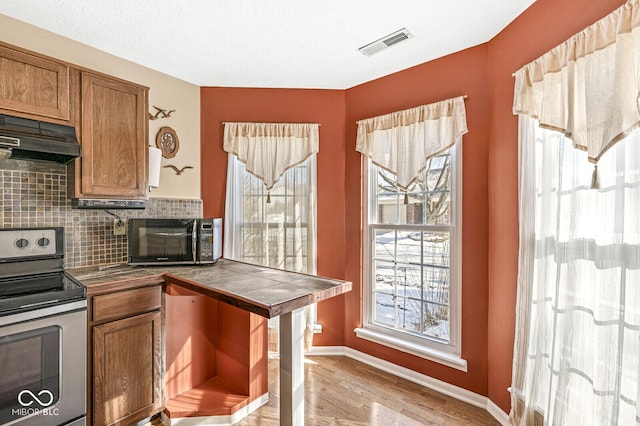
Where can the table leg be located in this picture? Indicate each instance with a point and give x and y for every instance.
(292, 368)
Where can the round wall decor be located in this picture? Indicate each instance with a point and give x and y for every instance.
(167, 141)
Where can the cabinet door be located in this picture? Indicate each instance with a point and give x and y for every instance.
(114, 138)
(33, 86)
(127, 377)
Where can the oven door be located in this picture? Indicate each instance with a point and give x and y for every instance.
(169, 241)
(43, 364)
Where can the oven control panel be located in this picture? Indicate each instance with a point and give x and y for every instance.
(15, 243)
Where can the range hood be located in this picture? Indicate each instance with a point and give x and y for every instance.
(25, 139)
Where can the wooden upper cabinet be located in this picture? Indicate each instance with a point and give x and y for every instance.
(109, 115)
(33, 86)
(114, 130)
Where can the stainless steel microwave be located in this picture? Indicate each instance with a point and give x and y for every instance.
(174, 241)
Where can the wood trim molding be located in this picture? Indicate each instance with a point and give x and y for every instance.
(497, 413)
(217, 420)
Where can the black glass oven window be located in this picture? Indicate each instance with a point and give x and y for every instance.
(30, 378)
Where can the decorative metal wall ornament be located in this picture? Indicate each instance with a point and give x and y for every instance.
(160, 113)
(167, 141)
(177, 170)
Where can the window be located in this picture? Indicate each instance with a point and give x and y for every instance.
(270, 210)
(272, 228)
(412, 267)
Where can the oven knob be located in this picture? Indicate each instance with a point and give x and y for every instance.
(44, 242)
(22, 243)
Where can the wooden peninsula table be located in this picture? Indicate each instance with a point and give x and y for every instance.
(215, 326)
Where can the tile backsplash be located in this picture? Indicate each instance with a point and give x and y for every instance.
(35, 194)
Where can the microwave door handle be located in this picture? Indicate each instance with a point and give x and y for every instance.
(194, 240)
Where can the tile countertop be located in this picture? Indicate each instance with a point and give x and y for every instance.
(265, 291)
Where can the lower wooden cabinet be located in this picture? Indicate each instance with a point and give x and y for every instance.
(127, 364)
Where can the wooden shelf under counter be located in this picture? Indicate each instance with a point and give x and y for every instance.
(215, 354)
(216, 339)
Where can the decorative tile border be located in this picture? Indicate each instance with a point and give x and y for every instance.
(35, 194)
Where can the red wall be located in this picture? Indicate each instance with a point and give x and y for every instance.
(463, 73)
(490, 170)
(543, 26)
(326, 107)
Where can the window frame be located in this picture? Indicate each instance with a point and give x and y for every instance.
(423, 346)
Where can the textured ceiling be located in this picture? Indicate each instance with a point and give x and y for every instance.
(270, 43)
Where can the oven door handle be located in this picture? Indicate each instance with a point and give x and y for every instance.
(194, 240)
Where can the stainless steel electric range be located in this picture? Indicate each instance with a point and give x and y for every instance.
(42, 331)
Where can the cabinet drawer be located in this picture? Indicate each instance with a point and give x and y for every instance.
(126, 303)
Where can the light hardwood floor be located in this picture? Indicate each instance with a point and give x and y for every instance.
(342, 391)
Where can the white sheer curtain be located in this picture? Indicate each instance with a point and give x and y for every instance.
(281, 233)
(577, 348)
(577, 345)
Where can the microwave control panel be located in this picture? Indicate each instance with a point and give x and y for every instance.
(210, 237)
(206, 241)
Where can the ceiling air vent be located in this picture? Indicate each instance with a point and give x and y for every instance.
(386, 41)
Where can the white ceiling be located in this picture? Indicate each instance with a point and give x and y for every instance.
(271, 43)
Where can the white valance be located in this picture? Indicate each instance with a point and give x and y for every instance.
(403, 141)
(270, 149)
(587, 87)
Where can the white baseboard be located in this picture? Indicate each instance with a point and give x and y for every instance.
(415, 377)
(217, 420)
(327, 351)
(497, 413)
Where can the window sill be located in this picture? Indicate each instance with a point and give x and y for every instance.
(441, 357)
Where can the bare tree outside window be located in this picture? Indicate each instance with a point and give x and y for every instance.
(411, 250)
